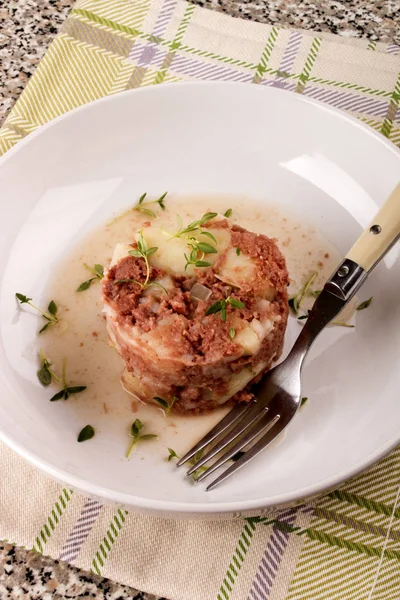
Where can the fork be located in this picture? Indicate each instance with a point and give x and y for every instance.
(278, 394)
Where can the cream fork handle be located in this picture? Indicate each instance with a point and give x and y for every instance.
(380, 235)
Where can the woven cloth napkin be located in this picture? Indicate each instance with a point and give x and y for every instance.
(345, 546)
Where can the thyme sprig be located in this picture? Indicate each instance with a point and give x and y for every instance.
(196, 248)
(98, 274)
(221, 306)
(195, 226)
(66, 390)
(164, 404)
(46, 374)
(296, 300)
(50, 315)
(141, 206)
(137, 437)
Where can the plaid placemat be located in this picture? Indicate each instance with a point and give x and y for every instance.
(346, 546)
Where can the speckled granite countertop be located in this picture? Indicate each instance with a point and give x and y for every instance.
(27, 27)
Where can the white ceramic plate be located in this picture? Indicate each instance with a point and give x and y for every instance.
(203, 138)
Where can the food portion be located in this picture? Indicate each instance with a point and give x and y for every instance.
(196, 315)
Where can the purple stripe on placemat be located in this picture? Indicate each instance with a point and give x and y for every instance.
(348, 101)
(183, 65)
(291, 51)
(80, 531)
(144, 54)
(272, 558)
(164, 17)
(393, 49)
(280, 82)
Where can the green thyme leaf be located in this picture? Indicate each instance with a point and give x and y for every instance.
(151, 250)
(23, 299)
(223, 310)
(86, 434)
(136, 428)
(207, 217)
(364, 304)
(44, 376)
(163, 403)
(44, 327)
(202, 263)
(142, 245)
(171, 454)
(342, 324)
(180, 223)
(206, 248)
(228, 213)
(85, 285)
(303, 401)
(135, 253)
(142, 197)
(52, 308)
(99, 270)
(214, 308)
(197, 456)
(238, 251)
(57, 396)
(148, 436)
(236, 303)
(209, 235)
(75, 389)
(149, 212)
(232, 333)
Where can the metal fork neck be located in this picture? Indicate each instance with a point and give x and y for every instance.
(346, 280)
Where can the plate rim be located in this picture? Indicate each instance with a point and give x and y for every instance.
(187, 507)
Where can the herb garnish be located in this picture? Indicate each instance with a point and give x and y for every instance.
(228, 213)
(142, 206)
(342, 324)
(364, 304)
(232, 333)
(221, 306)
(143, 251)
(303, 401)
(237, 251)
(67, 390)
(166, 406)
(98, 272)
(86, 434)
(171, 454)
(197, 247)
(45, 373)
(136, 428)
(50, 315)
(296, 300)
(195, 225)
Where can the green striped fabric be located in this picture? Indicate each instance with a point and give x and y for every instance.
(346, 545)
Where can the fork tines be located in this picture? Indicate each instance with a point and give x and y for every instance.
(242, 426)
